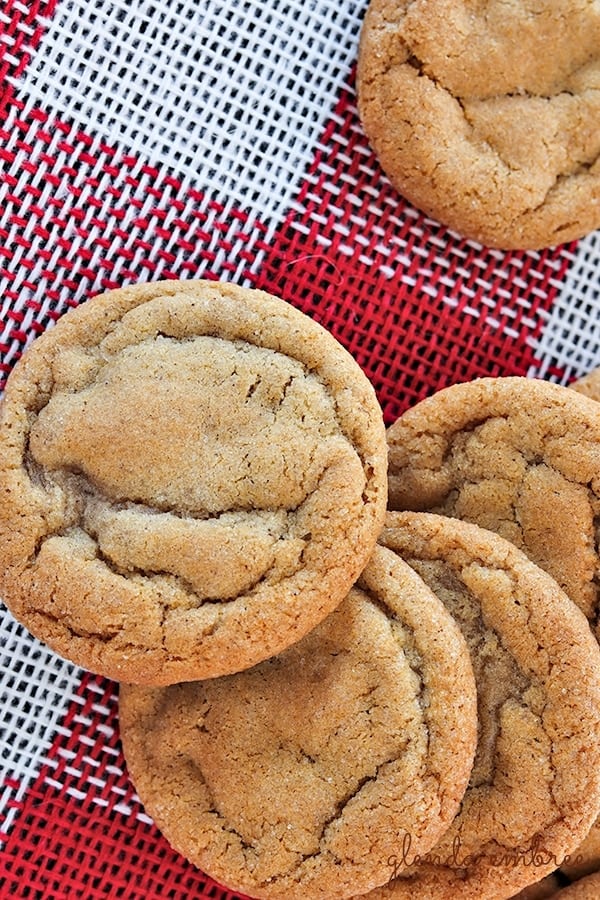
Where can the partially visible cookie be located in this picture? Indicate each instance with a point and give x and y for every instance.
(588, 384)
(518, 456)
(587, 888)
(588, 855)
(299, 777)
(192, 477)
(487, 120)
(541, 890)
(535, 786)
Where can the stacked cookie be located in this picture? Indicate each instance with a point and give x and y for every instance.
(317, 702)
(521, 458)
(587, 888)
(528, 646)
(296, 778)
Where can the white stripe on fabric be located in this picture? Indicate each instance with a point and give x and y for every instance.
(168, 80)
(569, 345)
(36, 687)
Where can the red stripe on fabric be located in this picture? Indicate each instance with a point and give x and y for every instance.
(79, 834)
(417, 307)
(82, 238)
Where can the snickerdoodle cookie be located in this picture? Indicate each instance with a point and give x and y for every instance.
(535, 784)
(485, 115)
(588, 384)
(515, 455)
(192, 477)
(298, 778)
(587, 888)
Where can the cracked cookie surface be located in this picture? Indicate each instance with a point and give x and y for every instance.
(518, 456)
(192, 475)
(298, 778)
(535, 784)
(485, 115)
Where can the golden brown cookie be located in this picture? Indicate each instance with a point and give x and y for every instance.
(517, 456)
(588, 384)
(192, 477)
(297, 778)
(587, 888)
(486, 117)
(535, 785)
(541, 890)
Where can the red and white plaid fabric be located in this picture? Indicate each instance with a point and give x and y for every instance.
(177, 139)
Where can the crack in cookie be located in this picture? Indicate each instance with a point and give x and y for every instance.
(517, 456)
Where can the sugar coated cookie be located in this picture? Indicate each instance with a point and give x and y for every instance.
(299, 777)
(517, 456)
(192, 476)
(588, 384)
(485, 115)
(587, 888)
(535, 784)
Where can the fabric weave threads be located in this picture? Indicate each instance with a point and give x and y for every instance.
(417, 306)
(569, 342)
(211, 88)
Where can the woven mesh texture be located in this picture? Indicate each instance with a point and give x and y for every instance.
(80, 216)
(21, 27)
(81, 831)
(569, 344)
(210, 87)
(177, 140)
(31, 674)
(418, 307)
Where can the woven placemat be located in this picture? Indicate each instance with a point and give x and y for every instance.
(219, 140)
